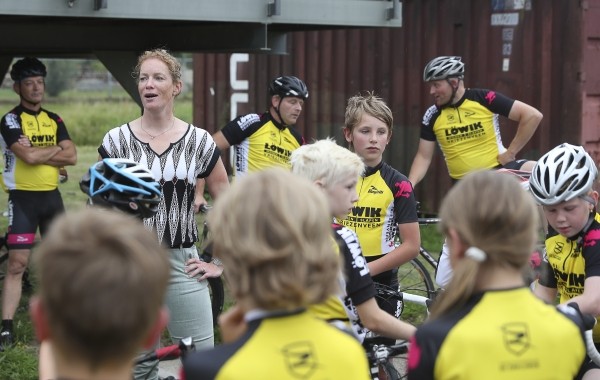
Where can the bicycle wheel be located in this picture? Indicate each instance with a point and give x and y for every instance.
(414, 279)
(388, 371)
(217, 297)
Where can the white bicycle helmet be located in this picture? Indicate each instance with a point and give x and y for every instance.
(562, 174)
(444, 67)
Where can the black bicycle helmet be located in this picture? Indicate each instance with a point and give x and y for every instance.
(123, 184)
(288, 86)
(444, 67)
(27, 67)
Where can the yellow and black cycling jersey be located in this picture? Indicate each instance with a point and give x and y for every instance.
(356, 284)
(468, 132)
(568, 262)
(385, 199)
(260, 142)
(499, 334)
(43, 128)
(291, 345)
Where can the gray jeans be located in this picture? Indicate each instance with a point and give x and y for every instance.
(189, 307)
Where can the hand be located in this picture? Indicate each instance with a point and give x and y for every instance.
(232, 324)
(198, 202)
(506, 157)
(195, 267)
(63, 176)
(24, 140)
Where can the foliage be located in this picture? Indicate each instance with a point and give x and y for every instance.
(60, 75)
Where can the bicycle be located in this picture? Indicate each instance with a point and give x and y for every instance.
(171, 352)
(379, 356)
(415, 281)
(215, 284)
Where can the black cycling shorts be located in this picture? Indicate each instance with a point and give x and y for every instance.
(28, 211)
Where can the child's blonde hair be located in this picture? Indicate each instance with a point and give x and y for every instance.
(492, 212)
(272, 231)
(325, 160)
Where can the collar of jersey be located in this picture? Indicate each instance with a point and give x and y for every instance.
(256, 314)
(372, 170)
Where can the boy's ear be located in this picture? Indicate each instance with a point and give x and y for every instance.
(319, 183)
(347, 134)
(157, 329)
(38, 317)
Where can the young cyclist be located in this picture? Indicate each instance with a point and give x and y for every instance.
(561, 182)
(102, 281)
(280, 259)
(386, 203)
(488, 324)
(335, 170)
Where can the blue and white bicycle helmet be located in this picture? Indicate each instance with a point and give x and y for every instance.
(122, 184)
(562, 174)
(444, 67)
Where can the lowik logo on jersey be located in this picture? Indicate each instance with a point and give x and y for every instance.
(247, 120)
(464, 132)
(358, 260)
(277, 153)
(469, 113)
(300, 359)
(404, 189)
(516, 337)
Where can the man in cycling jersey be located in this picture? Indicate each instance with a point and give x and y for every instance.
(35, 144)
(464, 123)
(101, 295)
(265, 140)
(562, 182)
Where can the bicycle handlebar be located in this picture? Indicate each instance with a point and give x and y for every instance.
(174, 351)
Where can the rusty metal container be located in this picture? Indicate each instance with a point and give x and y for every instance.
(544, 53)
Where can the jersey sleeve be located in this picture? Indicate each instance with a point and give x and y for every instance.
(405, 204)
(210, 150)
(359, 284)
(429, 119)
(492, 100)
(421, 357)
(240, 128)
(591, 251)
(10, 128)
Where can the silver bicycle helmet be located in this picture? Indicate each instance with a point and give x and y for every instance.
(562, 174)
(444, 67)
(122, 184)
(288, 86)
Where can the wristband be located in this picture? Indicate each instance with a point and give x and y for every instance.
(217, 262)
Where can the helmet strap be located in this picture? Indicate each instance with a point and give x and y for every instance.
(278, 113)
(585, 229)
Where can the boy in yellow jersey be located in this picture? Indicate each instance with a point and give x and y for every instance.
(279, 259)
(488, 324)
(35, 144)
(386, 205)
(335, 170)
(562, 182)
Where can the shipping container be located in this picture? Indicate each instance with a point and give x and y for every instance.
(542, 52)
